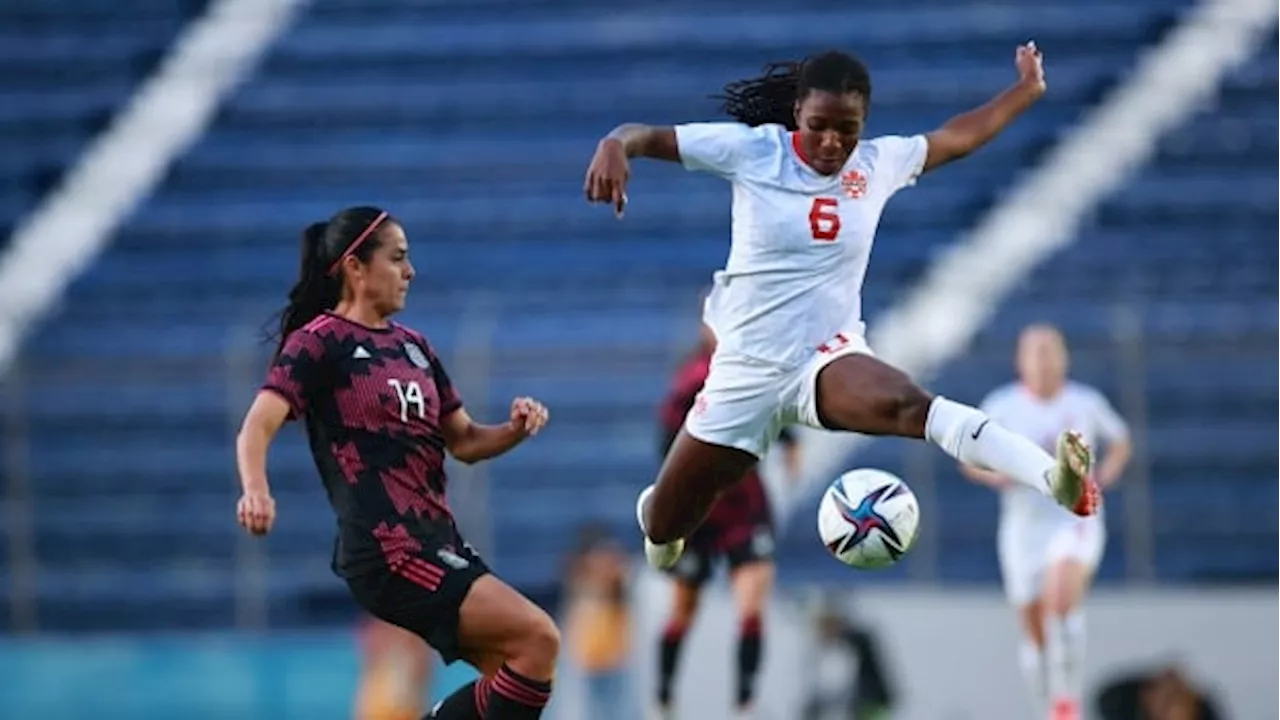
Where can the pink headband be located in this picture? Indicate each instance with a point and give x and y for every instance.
(355, 244)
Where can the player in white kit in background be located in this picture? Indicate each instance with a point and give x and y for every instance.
(808, 192)
(1047, 555)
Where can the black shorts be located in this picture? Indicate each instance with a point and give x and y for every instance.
(423, 592)
(698, 561)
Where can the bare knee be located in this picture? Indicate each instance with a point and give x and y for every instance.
(1055, 602)
(544, 639)
(684, 605)
(900, 410)
(535, 650)
(861, 394)
(751, 586)
(909, 410)
(1032, 616)
(1064, 587)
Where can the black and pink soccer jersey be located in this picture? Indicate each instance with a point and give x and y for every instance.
(373, 400)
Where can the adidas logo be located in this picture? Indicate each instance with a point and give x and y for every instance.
(361, 353)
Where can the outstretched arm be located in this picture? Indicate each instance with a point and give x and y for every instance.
(720, 149)
(651, 141)
(468, 441)
(609, 171)
(967, 132)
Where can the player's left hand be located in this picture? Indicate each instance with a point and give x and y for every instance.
(528, 416)
(1030, 63)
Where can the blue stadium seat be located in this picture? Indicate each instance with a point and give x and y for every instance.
(473, 125)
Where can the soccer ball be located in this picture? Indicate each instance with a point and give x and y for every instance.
(868, 518)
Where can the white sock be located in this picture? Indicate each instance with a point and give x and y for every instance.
(968, 435)
(1064, 655)
(1031, 660)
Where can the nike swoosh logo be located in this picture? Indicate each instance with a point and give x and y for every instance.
(978, 432)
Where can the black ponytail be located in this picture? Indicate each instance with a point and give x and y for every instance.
(315, 291)
(351, 232)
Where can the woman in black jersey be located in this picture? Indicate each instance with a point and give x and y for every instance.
(380, 414)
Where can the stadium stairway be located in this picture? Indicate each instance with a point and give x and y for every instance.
(65, 67)
(474, 127)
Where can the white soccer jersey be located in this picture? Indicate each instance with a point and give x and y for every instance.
(1077, 407)
(801, 240)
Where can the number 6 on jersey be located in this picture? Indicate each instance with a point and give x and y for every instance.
(824, 221)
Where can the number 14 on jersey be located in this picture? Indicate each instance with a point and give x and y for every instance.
(409, 394)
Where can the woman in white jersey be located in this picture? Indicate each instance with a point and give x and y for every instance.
(807, 196)
(1048, 556)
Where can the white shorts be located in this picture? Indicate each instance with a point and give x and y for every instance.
(1030, 547)
(745, 403)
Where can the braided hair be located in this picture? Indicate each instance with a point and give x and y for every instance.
(770, 97)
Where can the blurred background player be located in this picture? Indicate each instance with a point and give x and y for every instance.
(738, 529)
(808, 194)
(1047, 555)
(598, 622)
(1161, 693)
(850, 676)
(395, 672)
(380, 413)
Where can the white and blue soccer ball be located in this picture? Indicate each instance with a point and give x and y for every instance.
(868, 518)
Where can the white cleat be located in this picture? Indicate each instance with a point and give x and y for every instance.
(662, 556)
(1071, 484)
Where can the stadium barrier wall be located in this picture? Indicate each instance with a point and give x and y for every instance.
(953, 652)
(204, 676)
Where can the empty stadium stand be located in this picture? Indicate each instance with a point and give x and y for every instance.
(474, 126)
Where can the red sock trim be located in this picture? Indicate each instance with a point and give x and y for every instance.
(482, 696)
(518, 688)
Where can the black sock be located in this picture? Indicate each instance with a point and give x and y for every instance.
(668, 658)
(749, 647)
(467, 703)
(513, 696)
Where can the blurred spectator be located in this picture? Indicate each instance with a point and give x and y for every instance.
(394, 675)
(597, 624)
(1165, 694)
